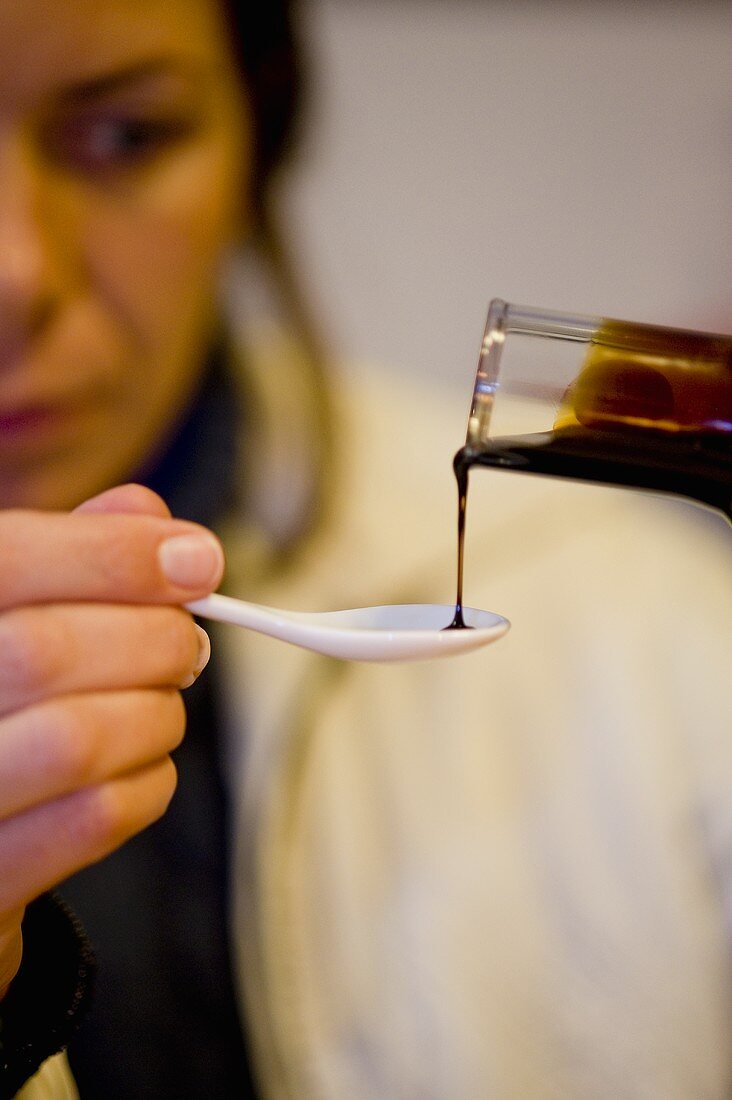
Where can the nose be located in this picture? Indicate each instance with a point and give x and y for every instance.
(29, 273)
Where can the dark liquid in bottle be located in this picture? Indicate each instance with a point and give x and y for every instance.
(650, 409)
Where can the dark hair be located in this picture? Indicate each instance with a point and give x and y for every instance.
(266, 48)
(269, 56)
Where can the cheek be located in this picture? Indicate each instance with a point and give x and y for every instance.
(153, 249)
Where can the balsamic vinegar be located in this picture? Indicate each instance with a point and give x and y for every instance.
(461, 474)
(644, 412)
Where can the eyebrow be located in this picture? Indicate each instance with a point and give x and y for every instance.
(97, 87)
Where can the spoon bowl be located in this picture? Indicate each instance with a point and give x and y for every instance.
(393, 632)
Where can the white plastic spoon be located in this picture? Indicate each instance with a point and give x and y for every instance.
(397, 632)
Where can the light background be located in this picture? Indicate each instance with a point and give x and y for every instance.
(569, 155)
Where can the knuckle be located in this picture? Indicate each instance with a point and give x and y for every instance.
(108, 814)
(113, 555)
(154, 719)
(166, 779)
(172, 719)
(31, 652)
(168, 782)
(77, 741)
(125, 554)
(120, 560)
(12, 521)
(100, 820)
(63, 750)
(178, 637)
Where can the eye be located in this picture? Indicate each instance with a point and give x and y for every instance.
(101, 143)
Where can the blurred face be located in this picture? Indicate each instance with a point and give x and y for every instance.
(124, 162)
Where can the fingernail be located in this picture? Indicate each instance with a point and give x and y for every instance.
(191, 561)
(204, 652)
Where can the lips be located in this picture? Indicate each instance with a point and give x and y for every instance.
(31, 428)
(25, 419)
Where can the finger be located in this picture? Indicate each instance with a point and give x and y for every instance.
(48, 557)
(62, 649)
(77, 741)
(44, 845)
(130, 499)
(11, 947)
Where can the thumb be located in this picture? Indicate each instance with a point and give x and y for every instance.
(128, 499)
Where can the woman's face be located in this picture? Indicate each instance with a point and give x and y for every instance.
(124, 169)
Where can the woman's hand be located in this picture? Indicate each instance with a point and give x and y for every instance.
(94, 648)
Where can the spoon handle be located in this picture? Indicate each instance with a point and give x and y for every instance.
(388, 633)
(225, 609)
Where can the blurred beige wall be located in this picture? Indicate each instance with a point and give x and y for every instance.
(572, 155)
